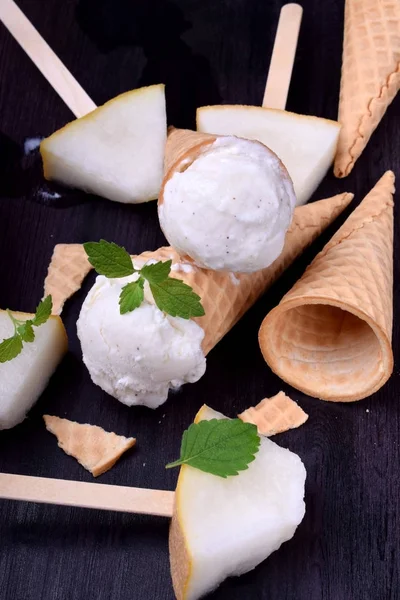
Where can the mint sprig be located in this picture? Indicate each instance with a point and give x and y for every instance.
(222, 447)
(172, 296)
(43, 312)
(177, 299)
(109, 259)
(131, 297)
(23, 330)
(10, 348)
(157, 272)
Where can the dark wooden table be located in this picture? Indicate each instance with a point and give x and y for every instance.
(206, 51)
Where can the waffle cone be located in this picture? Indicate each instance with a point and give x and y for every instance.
(275, 415)
(227, 296)
(370, 74)
(68, 268)
(95, 449)
(184, 146)
(330, 336)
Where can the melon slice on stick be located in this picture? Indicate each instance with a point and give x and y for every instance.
(23, 379)
(223, 527)
(305, 144)
(116, 150)
(220, 527)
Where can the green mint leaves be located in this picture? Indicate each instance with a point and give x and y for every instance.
(43, 312)
(10, 348)
(177, 299)
(23, 330)
(132, 296)
(172, 296)
(109, 259)
(221, 447)
(156, 273)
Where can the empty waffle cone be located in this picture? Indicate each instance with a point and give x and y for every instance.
(227, 296)
(95, 449)
(370, 74)
(68, 268)
(330, 336)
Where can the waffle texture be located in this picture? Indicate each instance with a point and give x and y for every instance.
(227, 296)
(370, 74)
(68, 268)
(275, 415)
(180, 142)
(95, 449)
(330, 336)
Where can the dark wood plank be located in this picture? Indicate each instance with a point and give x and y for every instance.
(207, 52)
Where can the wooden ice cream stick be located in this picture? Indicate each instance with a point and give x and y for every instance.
(86, 495)
(75, 97)
(283, 54)
(45, 59)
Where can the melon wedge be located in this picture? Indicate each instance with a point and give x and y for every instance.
(116, 151)
(223, 527)
(23, 379)
(306, 145)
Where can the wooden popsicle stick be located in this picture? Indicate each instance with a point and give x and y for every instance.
(86, 495)
(283, 54)
(45, 59)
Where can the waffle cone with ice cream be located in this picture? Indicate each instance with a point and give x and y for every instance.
(183, 147)
(225, 202)
(330, 336)
(163, 352)
(227, 296)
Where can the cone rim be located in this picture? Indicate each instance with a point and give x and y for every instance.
(315, 390)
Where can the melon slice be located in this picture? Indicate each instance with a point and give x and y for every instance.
(116, 151)
(306, 145)
(23, 379)
(223, 527)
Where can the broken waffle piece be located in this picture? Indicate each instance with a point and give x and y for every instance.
(275, 415)
(95, 449)
(68, 268)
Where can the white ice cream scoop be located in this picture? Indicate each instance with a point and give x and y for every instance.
(227, 203)
(139, 356)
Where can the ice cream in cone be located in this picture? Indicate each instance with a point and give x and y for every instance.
(370, 74)
(225, 203)
(330, 336)
(139, 356)
(227, 296)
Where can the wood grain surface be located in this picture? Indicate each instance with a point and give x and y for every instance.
(206, 51)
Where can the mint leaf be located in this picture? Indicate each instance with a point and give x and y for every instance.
(172, 296)
(26, 332)
(157, 272)
(109, 259)
(177, 299)
(131, 296)
(43, 311)
(10, 348)
(222, 447)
